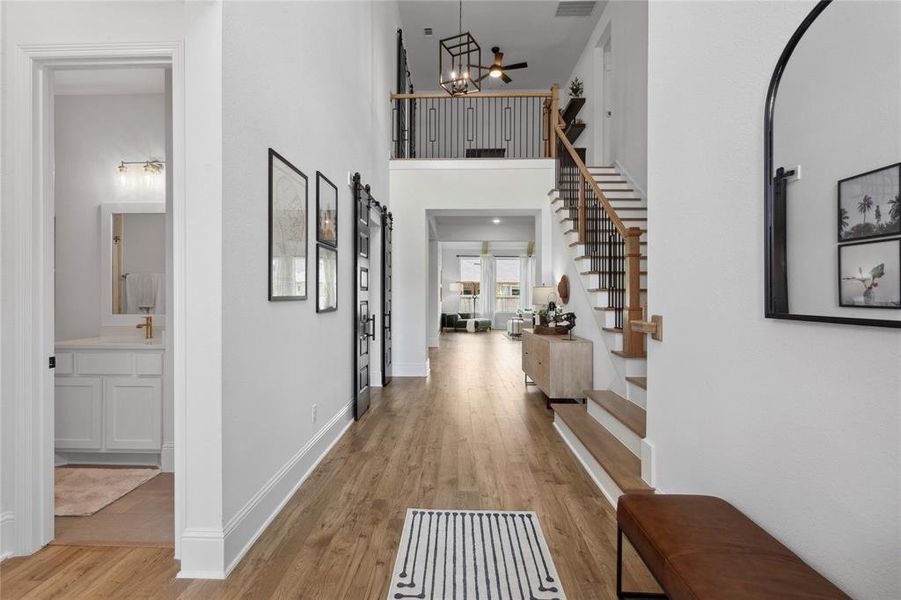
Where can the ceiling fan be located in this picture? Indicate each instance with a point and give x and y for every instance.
(498, 69)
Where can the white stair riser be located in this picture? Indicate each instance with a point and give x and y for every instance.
(626, 436)
(602, 299)
(636, 394)
(613, 340)
(597, 473)
(631, 367)
(585, 263)
(580, 248)
(593, 281)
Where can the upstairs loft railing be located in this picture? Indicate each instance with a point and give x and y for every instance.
(612, 248)
(482, 125)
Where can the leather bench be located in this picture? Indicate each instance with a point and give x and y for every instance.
(700, 547)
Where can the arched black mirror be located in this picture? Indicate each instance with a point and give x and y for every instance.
(832, 161)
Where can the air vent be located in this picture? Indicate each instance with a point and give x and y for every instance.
(574, 9)
(427, 31)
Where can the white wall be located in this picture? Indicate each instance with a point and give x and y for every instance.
(88, 150)
(282, 358)
(421, 186)
(503, 232)
(838, 114)
(197, 26)
(626, 23)
(797, 424)
(434, 293)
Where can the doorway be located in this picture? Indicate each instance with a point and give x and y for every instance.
(109, 295)
(604, 113)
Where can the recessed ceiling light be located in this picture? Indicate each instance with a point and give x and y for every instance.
(495, 221)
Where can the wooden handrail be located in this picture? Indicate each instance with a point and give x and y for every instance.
(434, 96)
(583, 170)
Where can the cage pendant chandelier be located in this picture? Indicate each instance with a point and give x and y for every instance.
(459, 61)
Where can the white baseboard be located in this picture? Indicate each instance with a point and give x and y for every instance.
(137, 459)
(411, 369)
(434, 342)
(243, 529)
(167, 457)
(597, 473)
(7, 534)
(202, 553)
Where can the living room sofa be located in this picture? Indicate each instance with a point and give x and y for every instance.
(465, 322)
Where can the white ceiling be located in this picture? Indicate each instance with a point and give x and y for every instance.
(93, 82)
(524, 30)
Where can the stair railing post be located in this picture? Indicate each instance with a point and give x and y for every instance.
(633, 341)
(582, 217)
(552, 118)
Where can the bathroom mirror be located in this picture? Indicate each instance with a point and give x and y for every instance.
(833, 168)
(133, 262)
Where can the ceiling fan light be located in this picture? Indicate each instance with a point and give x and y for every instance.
(495, 72)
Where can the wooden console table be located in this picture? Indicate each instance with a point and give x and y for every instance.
(562, 368)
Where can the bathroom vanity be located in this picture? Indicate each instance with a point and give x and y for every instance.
(109, 396)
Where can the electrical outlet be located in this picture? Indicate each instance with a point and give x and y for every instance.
(315, 412)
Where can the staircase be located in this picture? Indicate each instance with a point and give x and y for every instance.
(605, 224)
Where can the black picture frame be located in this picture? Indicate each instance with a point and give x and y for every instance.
(775, 274)
(277, 230)
(840, 275)
(325, 186)
(323, 251)
(842, 182)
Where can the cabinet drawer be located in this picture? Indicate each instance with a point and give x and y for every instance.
(104, 363)
(133, 413)
(148, 363)
(65, 363)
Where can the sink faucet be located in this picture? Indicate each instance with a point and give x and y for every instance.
(147, 326)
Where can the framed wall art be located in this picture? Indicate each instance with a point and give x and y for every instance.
(326, 278)
(326, 211)
(869, 274)
(287, 230)
(869, 204)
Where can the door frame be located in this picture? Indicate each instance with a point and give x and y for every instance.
(28, 333)
(602, 132)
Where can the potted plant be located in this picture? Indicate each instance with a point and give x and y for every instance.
(576, 88)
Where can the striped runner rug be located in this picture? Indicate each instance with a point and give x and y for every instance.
(474, 555)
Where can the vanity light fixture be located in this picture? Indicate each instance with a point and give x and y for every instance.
(151, 168)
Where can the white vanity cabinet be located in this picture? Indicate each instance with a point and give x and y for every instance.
(109, 396)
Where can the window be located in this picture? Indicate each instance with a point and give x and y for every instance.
(507, 285)
(470, 277)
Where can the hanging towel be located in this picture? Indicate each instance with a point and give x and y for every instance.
(144, 291)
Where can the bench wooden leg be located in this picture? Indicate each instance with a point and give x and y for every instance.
(619, 574)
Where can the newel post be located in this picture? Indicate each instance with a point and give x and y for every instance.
(552, 118)
(633, 341)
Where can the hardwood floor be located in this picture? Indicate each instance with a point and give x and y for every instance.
(469, 436)
(143, 517)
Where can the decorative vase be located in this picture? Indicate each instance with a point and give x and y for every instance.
(868, 296)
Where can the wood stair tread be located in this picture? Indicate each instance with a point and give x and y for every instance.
(624, 354)
(596, 290)
(641, 382)
(626, 412)
(623, 467)
(574, 244)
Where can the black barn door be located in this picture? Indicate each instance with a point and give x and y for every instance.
(364, 320)
(387, 232)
